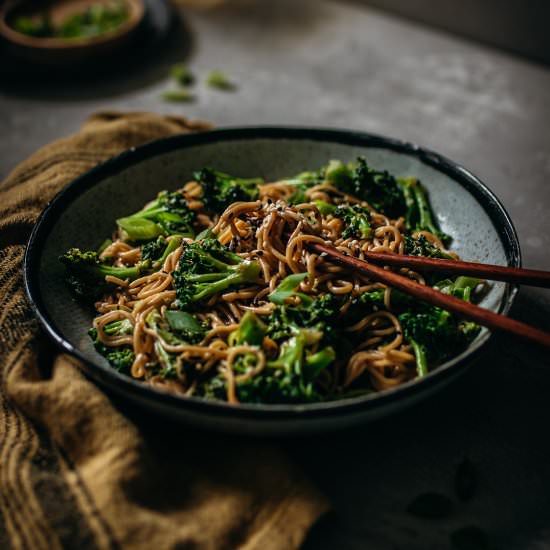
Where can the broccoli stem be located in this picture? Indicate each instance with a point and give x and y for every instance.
(168, 214)
(421, 359)
(318, 361)
(406, 185)
(99, 271)
(425, 214)
(173, 244)
(291, 355)
(246, 273)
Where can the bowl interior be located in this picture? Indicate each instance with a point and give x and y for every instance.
(85, 217)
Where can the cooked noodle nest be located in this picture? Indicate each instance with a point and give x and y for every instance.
(276, 234)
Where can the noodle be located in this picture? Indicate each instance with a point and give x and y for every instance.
(275, 234)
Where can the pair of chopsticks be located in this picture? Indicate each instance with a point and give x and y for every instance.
(429, 295)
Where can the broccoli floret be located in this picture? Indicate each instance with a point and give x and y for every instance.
(213, 387)
(120, 358)
(154, 253)
(207, 267)
(356, 219)
(86, 272)
(309, 312)
(121, 327)
(167, 215)
(435, 335)
(153, 250)
(420, 246)
(376, 298)
(379, 189)
(290, 378)
(219, 190)
(338, 174)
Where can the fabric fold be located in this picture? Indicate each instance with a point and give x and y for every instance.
(78, 470)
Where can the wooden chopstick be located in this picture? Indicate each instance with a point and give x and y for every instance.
(532, 277)
(427, 294)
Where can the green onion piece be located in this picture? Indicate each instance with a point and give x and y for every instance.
(181, 74)
(287, 288)
(182, 321)
(218, 80)
(178, 96)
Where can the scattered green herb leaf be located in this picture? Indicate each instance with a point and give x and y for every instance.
(182, 74)
(180, 95)
(217, 79)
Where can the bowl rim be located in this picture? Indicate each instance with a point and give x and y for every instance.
(135, 389)
(136, 9)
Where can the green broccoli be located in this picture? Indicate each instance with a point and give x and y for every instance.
(311, 311)
(154, 253)
(290, 378)
(376, 298)
(435, 335)
(419, 214)
(120, 358)
(220, 190)
(122, 327)
(420, 246)
(356, 219)
(167, 215)
(86, 272)
(207, 267)
(175, 328)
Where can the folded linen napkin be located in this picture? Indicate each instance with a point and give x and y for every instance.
(75, 471)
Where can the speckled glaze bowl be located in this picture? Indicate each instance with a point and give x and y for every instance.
(84, 213)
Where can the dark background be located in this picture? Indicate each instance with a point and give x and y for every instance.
(518, 26)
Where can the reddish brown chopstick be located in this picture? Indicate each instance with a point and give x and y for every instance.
(532, 277)
(427, 294)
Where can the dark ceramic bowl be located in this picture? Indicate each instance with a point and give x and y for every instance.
(83, 213)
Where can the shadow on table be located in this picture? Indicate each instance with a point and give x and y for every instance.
(496, 416)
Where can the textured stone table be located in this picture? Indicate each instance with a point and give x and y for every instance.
(344, 65)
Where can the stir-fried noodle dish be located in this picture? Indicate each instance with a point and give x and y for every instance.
(213, 290)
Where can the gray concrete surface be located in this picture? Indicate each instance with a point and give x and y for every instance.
(345, 65)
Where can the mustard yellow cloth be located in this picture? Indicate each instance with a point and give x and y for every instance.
(75, 472)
